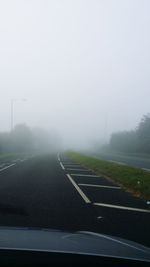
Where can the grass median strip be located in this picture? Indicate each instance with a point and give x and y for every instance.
(132, 179)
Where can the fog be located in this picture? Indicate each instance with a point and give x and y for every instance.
(78, 68)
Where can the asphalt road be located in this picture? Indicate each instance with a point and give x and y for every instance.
(55, 192)
(134, 161)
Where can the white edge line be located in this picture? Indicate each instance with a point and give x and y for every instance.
(101, 186)
(112, 239)
(7, 167)
(120, 207)
(62, 166)
(86, 199)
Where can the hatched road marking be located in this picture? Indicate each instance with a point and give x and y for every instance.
(86, 199)
(62, 166)
(71, 165)
(84, 175)
(70, 169)
(120, 207)
(101, 186)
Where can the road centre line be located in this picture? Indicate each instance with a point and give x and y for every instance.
(86, 199)
(121, 207)
(101, 186)
(84, 175)
(62, 166)
(7, 167)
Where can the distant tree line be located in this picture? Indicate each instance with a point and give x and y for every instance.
(22, 139)
(137, 140)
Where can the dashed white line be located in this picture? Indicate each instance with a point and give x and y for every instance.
(84, 175)
(62, 166)
(101, 186)
(121, 207)
(7, 167)
(86, 199)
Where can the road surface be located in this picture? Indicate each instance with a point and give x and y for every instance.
(52, 191)
(133, 161)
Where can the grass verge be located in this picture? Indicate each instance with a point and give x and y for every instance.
(132, 179)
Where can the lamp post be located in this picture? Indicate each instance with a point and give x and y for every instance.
(12, 113)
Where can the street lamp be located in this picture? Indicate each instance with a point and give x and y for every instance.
(12, 112)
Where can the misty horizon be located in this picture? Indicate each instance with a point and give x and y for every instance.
(81, 66)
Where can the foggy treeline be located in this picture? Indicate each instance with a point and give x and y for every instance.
(23, 139)
(135, 141)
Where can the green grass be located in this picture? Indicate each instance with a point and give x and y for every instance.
(132, 179)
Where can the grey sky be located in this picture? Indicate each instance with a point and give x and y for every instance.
(80, 64)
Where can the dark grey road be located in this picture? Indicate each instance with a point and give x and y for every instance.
(55, 192)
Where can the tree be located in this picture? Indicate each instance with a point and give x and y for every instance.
(143, 132)
(125, 141)
(22, 138)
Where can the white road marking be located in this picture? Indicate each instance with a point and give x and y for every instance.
(73, 169)
(121, 207)
(84, 175)
(71, 165)
(145, 169)
(112, 239)
(86, 199)
(117, 162)
(7, 167)
(101, 186)
(62, 166)
(58, 157)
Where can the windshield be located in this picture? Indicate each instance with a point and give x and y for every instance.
(75, 116)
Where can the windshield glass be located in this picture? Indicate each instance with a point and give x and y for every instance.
(75, 116)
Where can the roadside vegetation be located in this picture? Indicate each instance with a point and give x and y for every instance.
(135, 180)
(22, 139)
(135, 142)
